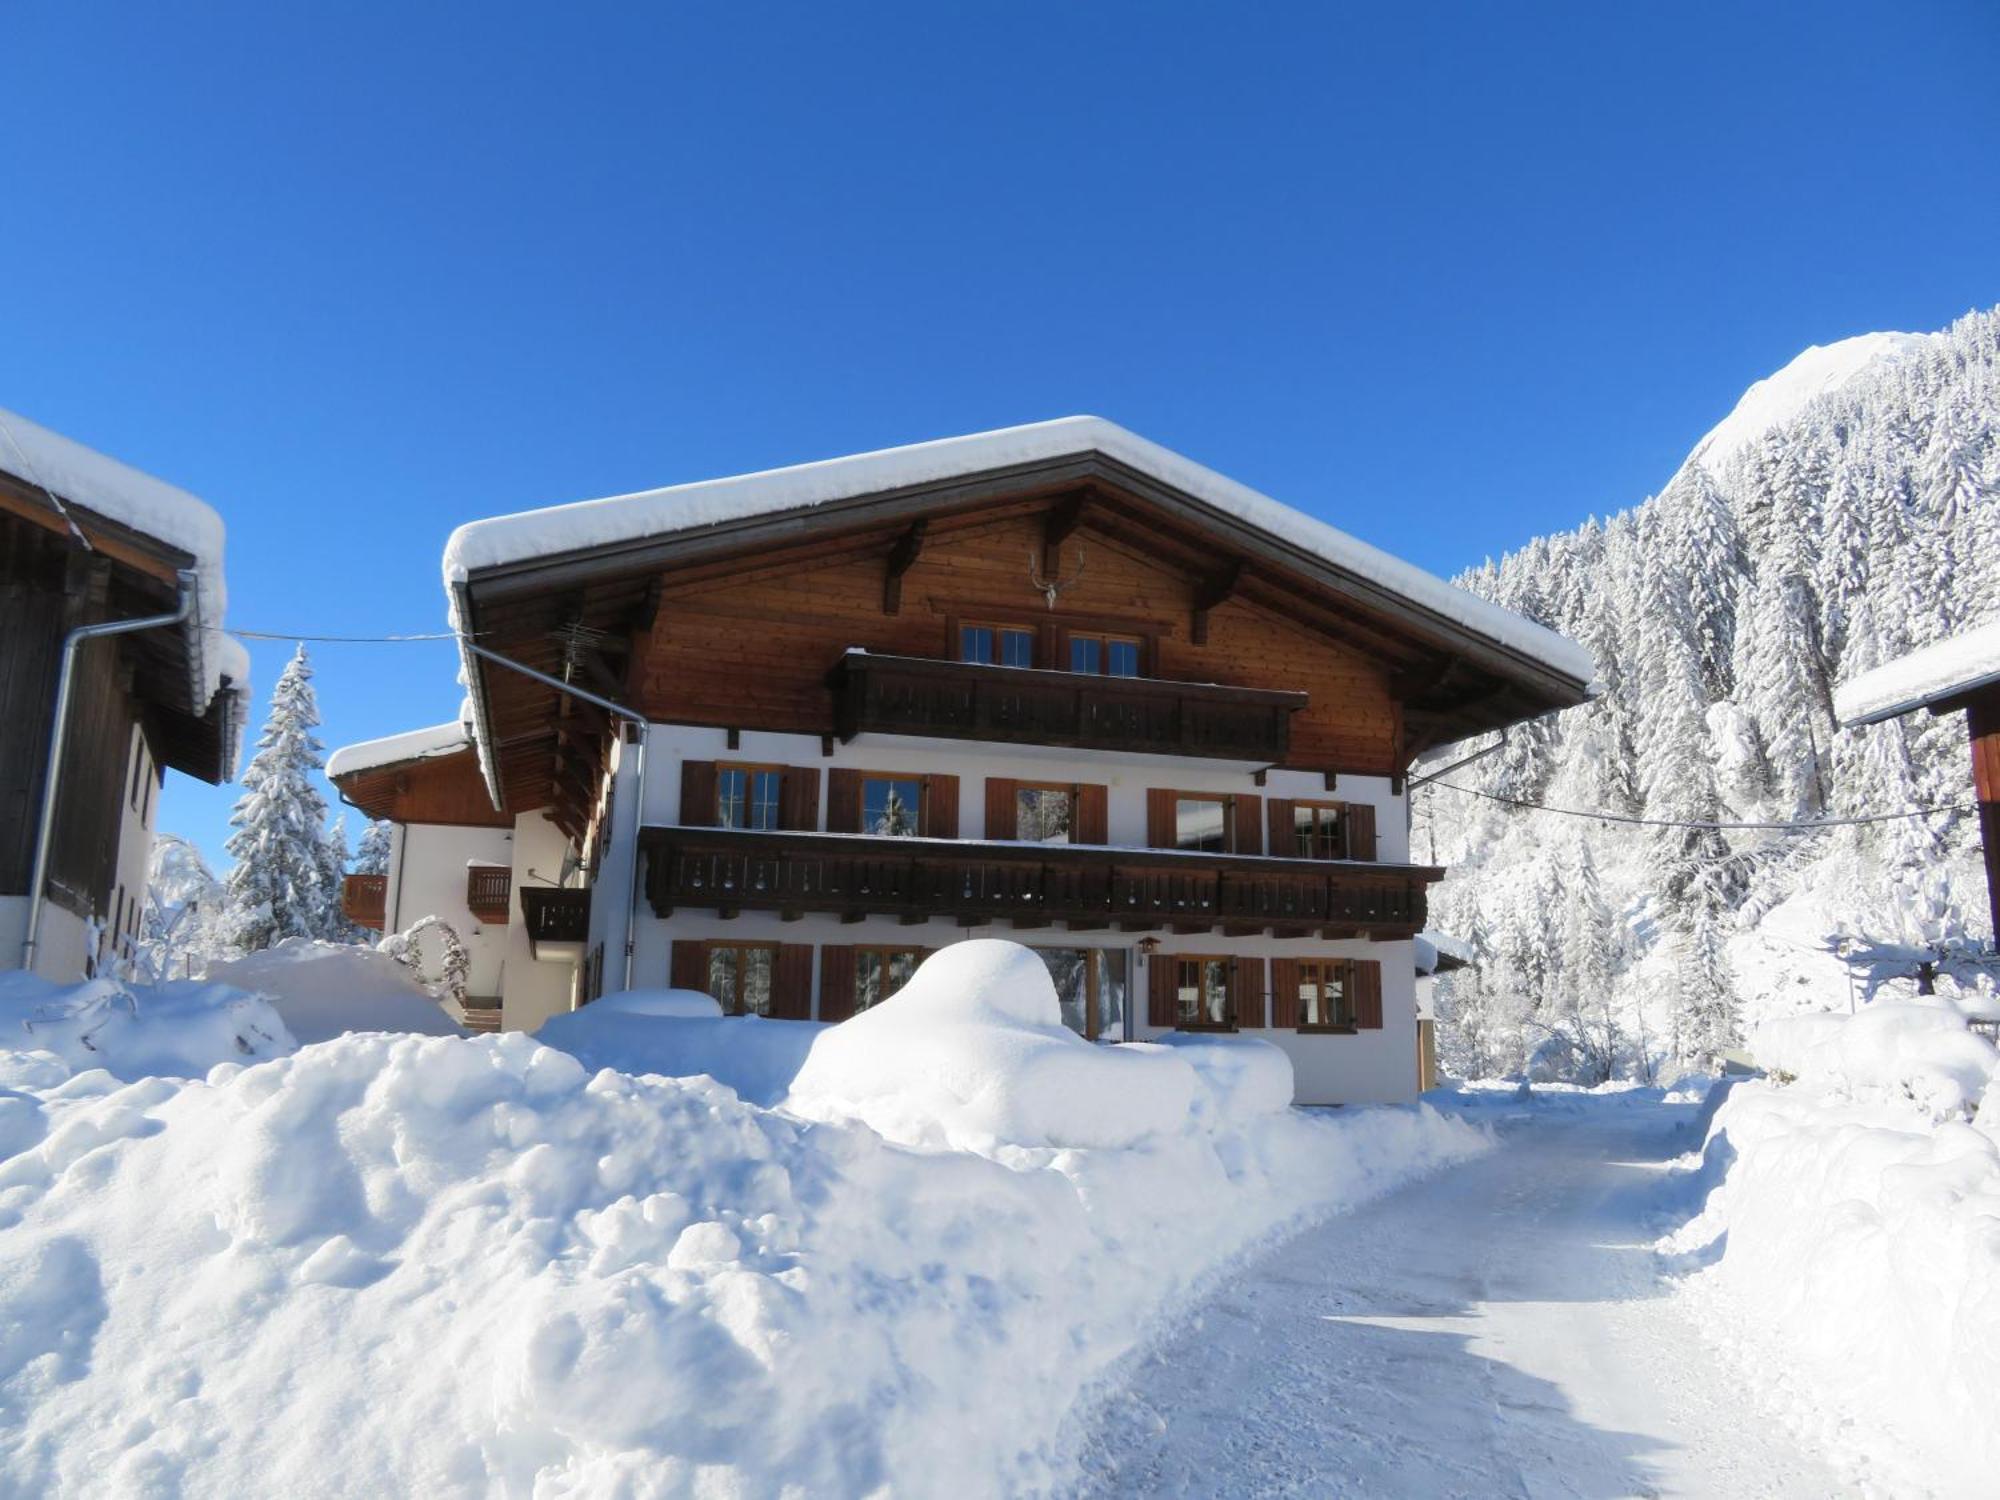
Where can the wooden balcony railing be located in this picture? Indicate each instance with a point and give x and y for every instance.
(1017, 705)
(362, 899)
(487, 888)
(556, 917)
(1029, 885)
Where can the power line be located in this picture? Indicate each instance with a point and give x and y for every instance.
(296, 635)
(1804, 826)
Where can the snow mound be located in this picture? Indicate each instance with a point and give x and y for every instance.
(1771, 402)
(1240, 1076)
(1853, 1268)
(395, 1265)
(325, 990)
(1965, 661)
(1922, 1054)
(972, 1051)
(683, 1034)
(180, 1029)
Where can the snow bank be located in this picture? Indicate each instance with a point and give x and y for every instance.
(1238, 1076)
(468, 1267)
(973, 1052)
(596, 523)
(180, 1029)
(683, 1034)
(1937, 671)
(395, 749)
(324, 990)
(1853, 1269)
(1889, 1050)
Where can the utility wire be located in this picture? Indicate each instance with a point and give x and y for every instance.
(1806, 826)
(28, 468)
(293, 635)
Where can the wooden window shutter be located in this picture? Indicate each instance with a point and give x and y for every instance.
(1360, 820)
(1093, 815)
(1002, 814)
(1285, 994)
(1247, 812)
(1162, 1007)
(698, 793)
(843, 801)
(836, 982)
(689, 969)
(792, 982)
(940, 817)
(1160, 831)
(1284, 841)
(1366, 976)
(1246, 992)
(798, 799)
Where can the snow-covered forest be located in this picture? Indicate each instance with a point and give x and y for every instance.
(1843, 515)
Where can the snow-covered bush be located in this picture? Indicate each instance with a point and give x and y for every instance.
(1921, 1053)
(973, 1051)
(452, 964)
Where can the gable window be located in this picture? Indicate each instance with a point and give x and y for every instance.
(1202, 823)
(1090, 984)
(740, 975)
(1104, 655)
(1201, 991)
(880, 972)
(1044, 814)
(747, 796)
(997, 645)
(892, 806)
(1326, 999)
(1319, 830)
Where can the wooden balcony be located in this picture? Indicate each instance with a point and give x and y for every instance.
(557, 919)
(974, 883)
(487, 888)
(1017, 705)
(362, 899)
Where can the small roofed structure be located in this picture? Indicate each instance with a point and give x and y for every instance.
(1960, 673)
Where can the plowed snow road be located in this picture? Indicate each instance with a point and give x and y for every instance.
(1497, 1330)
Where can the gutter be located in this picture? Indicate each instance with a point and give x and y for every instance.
(59, 733)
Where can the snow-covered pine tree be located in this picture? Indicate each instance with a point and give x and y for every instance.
(371, 855)
(279, 887)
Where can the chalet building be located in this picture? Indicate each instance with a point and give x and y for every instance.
(113, 667)
(794, 730)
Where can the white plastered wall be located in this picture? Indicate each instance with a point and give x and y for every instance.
(535, 989)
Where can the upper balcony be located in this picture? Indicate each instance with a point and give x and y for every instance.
(975, 882)
(1027, 706)
(487, 888)
(558, 920)
(363, 898)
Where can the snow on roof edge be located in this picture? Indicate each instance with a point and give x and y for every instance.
(96, 482)
(395, 749)
(1941, 670)
(594, 523)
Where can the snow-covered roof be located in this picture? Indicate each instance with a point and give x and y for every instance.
(118, 492)
(398, 749)
(1435, 948)
(1937, 672)
(1821, 370)
(564, 529)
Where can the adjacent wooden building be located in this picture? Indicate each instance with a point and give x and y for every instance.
(87, 542)
(798, 729)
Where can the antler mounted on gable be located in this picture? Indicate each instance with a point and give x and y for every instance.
(1052, 587)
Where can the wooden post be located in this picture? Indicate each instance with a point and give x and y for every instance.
(1982, 718)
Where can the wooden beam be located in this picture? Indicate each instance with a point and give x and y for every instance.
(1218, 590)
(902, 557)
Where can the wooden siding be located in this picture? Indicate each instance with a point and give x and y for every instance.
(752, 648)
(441, 789)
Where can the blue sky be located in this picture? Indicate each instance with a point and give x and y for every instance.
(1446, 275)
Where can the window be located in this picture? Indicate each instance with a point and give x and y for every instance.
(880, 972)
(1104, 655)
(739, 976)
(747, 796)
(1044, 814)
(1090, 983)
(1318, 831)
(1326, 1001)
(892, 806)
(997, 645)
(1201, 991)
(1202, 823)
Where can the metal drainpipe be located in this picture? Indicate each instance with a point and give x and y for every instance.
(59, 732)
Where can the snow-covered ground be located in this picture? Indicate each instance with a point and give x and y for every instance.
(397, 1264)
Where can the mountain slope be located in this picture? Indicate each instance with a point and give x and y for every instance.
(1842, 514)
